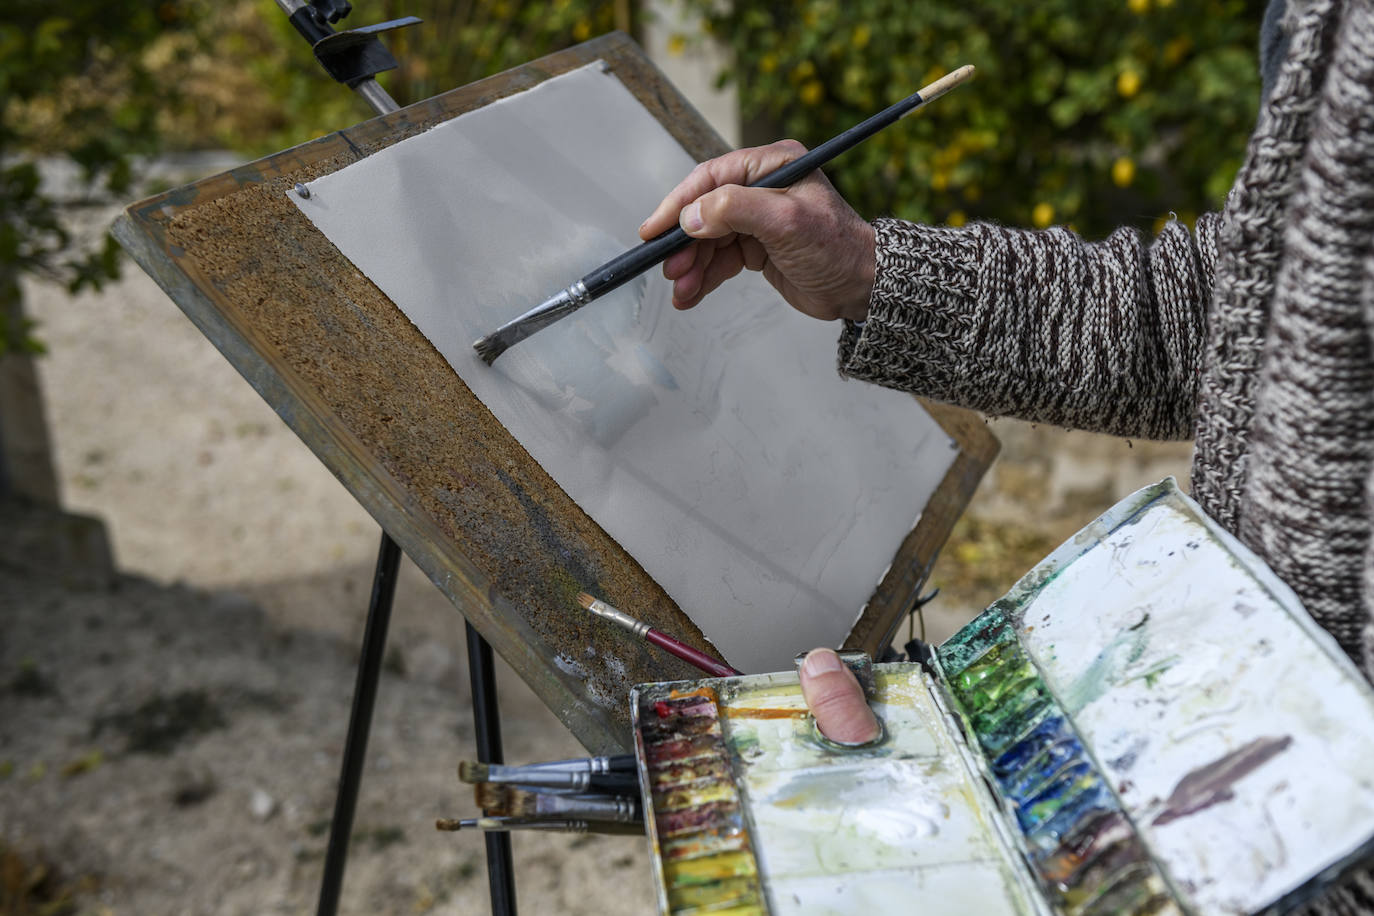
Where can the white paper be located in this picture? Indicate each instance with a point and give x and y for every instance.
(719, 446)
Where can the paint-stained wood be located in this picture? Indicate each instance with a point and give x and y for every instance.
(383, 410)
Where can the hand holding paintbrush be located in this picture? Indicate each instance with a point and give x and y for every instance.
(634, 262)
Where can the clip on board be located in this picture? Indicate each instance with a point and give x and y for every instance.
(383, 403)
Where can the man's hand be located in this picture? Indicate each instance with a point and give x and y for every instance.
(808, 242)
(836, 699)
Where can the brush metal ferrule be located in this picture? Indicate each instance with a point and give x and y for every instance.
(620, 618)
(616, 809)
(565, 302)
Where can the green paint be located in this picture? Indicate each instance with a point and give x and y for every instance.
(1106, 670)
(977, 637)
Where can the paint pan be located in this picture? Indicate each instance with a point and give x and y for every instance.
(1148, 723)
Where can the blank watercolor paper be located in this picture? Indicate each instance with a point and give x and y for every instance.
(719, 446)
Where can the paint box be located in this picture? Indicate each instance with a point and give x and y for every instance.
(1147, 723)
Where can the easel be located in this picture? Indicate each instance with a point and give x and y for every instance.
(354, 58)
(349, 373)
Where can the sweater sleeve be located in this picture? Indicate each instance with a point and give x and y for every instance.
(1041, 325)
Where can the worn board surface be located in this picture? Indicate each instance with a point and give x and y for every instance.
(384, 411)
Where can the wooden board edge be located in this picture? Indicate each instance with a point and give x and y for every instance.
(462, 583)
(901, 586)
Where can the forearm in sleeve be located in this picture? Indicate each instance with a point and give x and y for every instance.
(1041, 325)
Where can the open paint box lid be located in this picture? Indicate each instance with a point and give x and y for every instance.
(1149, 722)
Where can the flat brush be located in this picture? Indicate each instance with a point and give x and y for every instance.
(634, 262)
(657, 637)
(472, 771)
(502, 824)
(496, 800)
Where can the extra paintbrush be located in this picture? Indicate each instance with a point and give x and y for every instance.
(489, 824)
(615, 763)
(657, 637)
(472, 771)
(634, 262)
(511, 801)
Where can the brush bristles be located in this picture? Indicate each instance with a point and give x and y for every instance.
(490, 347)
(585, 600)
(472, 771)
(491, 797)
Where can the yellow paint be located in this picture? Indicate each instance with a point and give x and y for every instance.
(713, 868)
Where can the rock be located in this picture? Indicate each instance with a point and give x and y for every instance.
(262, 806)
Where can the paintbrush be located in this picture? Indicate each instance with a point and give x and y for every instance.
(488, 824)
(657, 637)
(512, 801)
(615, 763)
(634, 262)
(472, 771)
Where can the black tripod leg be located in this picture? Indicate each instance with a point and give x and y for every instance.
(487, 720)
(359, 721)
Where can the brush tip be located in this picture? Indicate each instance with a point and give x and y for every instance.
(488, 348)
(472, 771)
(520, 803)
(448, 824)
(585, 600)
(491, 797)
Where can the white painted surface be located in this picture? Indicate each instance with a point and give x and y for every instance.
(718, 446)
(1171, 646)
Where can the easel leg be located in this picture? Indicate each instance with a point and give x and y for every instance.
(487, 721)
(359, 721)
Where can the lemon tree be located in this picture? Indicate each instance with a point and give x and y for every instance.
(1091, 113)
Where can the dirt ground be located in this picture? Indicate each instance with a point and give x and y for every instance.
(170, 746)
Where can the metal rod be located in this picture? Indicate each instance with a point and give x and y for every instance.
(486, 717)
(359, 723)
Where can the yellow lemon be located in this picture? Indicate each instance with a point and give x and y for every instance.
(1128, 83)
(676, 44)
(1042, 215)
(862, 33)
(1139, 7)
(1123, 172)
(582, 30)
(956, 218)
(768, 62)
(812, 92)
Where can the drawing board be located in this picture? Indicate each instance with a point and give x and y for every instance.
(481, 509)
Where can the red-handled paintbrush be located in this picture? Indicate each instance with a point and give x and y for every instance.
(657, 637)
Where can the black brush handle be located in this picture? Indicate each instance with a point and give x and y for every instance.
(626, 267)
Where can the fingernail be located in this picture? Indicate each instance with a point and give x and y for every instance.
(822, 661)
(691, 217)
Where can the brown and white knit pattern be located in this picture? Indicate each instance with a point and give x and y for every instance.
(1041, 325)
(1251, 247)
(1311, 440)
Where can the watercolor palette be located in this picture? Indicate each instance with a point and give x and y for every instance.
(1148, 723)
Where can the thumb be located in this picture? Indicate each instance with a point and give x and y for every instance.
(768, 214)
(836, 699)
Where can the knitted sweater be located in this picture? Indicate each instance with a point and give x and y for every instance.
(1251, 335)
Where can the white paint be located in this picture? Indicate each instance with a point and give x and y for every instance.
(717, 446)
(1224, 654)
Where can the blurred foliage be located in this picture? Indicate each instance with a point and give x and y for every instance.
(75, 82)
(1091, 113)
